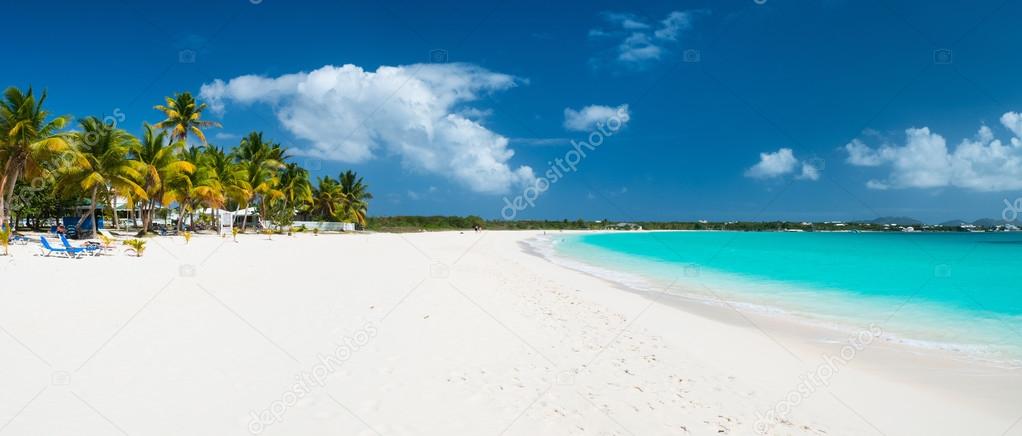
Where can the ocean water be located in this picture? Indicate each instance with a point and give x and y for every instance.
(954, 291)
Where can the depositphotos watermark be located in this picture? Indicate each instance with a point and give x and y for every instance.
(561, 166)
(1011, 209)
(817, 378)
(307, 381)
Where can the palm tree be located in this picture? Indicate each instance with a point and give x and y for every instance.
(261, 161)
(183, 117)
(254, 148)
(103, 168)
(295, 188)
(196, 188)
(162, 166)
(28, 139)
(326, 197)
(230, 177)
(356, 197)
(262, 182)
(294, 184)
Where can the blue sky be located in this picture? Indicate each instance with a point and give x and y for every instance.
(735, 110)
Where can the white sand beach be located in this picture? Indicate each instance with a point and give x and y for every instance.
(435, 334)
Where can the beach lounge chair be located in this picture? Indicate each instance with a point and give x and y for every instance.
(84, 249)
(49, 249)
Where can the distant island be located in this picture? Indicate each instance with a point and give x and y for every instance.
(881, 224)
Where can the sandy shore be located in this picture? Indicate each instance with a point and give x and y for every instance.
(436, 334)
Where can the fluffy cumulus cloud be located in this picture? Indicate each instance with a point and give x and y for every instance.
(980, 163)
(416, 113)
(587, 118)
(781, 163)
(638, 42)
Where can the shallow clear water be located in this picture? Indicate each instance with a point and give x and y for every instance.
(960, 291)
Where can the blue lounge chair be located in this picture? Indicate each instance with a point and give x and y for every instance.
(87, 249)
(49, 249)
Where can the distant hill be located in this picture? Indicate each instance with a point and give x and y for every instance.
(989, 222)
(899, 220)
(953, 223)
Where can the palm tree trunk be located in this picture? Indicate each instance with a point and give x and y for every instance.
(180, 216)
(147, 216)
(112, 201)
(263, 213)
(244, 218)
(8, 179)
(150, 211)
(3, 209)
(3, 192)
(92, 214)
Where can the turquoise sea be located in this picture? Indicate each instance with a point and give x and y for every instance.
(956, 291)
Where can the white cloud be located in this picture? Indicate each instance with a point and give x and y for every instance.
(476, 113)
(412, 112)
(541, 142)
(638, 48)
(809, 172)
(774, 164)
(783, 162)
(671, 26)
(640, 43)
(860, 154)
(981, 163)
(1013, 121)
(625, 20)
(878, 185)
(587, 118)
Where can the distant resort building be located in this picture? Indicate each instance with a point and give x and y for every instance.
(624, 226)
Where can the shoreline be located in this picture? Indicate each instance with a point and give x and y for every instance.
(894, 357)
(728, 294)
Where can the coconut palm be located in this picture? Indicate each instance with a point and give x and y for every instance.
(228, 175)
(356, 197)
(196, 188)
(261, 161)
(295, 186)
(326, 198)
(254, 148)
(183, 117)
(29, 138)
(262, 182)
(162, 167)
(103, 167)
